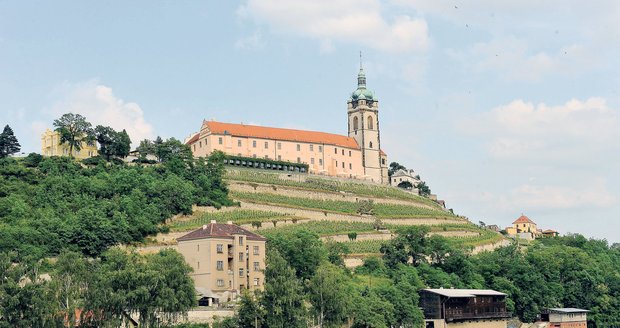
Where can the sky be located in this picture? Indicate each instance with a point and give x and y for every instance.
(502, 107)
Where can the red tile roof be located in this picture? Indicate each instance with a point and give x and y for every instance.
(220, 230)
(193, 139)
(262, 132)
(550, 231)
(523, 219)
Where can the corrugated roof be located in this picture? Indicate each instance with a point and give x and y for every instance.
(220, 230)
(465, 292)
(523, 219)
(262, 132)
(567, 310)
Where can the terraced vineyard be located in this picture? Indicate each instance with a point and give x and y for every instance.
(381, 210)
(239, 216)
(322, 228)
(327, 185)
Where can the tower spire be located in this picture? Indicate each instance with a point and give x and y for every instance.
(361, 76)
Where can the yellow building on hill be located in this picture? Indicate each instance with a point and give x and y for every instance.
(50, 146)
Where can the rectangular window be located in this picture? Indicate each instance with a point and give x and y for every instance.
(256, 281)
(220, 140)
(350, 166)
(194, 149)
(311, 147)
(198, 248)
(220, 265)
(266, 145)
(256, 250)
(312, 160)
(336, 164)
(198, 265)
(241, 272)
(349, 153)
(279, 157)
(200, 144)
(238, 143)
(240, 241)
(240, 256)
(266, 156)
(254, 143)
(256, 266)
(220, 248)
(336, 151)
(298, 160)
(320, 149)
(343, 152)
(298, 147)
(220, 282)
(279, 145)
(320, 161)
(343, 165)
(253, 155)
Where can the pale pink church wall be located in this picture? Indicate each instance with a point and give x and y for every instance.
(332, 160)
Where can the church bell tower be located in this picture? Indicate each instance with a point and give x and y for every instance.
(363, 112)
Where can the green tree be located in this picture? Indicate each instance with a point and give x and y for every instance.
(423, 189)
(250, 314)
(8, 142)
(405, 185)
(329, 295)
(71, 278)
(146, 147)
(74, 130)
(394, 166)
(111, 142)
(303, 250)
(283, 296)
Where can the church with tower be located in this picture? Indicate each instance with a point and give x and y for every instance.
(357, 155)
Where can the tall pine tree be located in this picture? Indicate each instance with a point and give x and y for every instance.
(8, 143)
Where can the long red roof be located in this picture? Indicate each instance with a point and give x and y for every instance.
(220, 230)
(262, 132)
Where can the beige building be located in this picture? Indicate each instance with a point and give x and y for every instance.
(50, 146)
(565, 318)
(226, 260)
(524, 228)
(357, 155)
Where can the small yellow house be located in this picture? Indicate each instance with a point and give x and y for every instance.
(50, 146)
(523, 225)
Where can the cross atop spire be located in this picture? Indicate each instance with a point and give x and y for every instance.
(361, 60)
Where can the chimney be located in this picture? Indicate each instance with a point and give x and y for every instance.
(229, 222)
(213, 221)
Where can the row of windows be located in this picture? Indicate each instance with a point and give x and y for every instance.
(220, 282)
(369, 122)
(220, 266)
(220, 247)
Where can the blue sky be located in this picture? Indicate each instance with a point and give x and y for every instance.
(503, 107)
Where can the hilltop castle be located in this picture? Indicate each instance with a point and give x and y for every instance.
(357, 155)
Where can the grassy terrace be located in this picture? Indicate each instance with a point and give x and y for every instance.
(381, 210)
(373, 246)
(329, 185)
(237, 216)
(322, 228)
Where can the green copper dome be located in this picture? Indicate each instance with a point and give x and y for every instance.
(362, 93)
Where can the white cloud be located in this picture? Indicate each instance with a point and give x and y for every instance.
(349, 21)
(538, 132)
(592, 194)
(100, 106)
(254, 41)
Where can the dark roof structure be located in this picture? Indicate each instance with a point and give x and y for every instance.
(220, 230)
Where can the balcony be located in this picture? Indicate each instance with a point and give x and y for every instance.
(483, 315)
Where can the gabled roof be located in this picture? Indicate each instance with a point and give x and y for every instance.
(262, 132)
(550, 231)
(193, 139)
(220, 230)
(464, 292)
(523, 219)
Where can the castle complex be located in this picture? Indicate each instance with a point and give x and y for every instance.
(357, 155)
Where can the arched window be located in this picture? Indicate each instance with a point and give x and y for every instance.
(355, 123)
(370, 145)
(370, 125)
